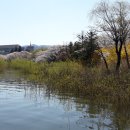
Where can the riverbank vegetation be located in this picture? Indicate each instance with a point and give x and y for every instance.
(3, 65)
(75, 78)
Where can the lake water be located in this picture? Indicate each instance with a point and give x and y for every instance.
(28, 106)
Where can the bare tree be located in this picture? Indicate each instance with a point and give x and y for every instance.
(113, 19)
(103, 42)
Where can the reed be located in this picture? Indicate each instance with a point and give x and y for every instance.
(3, 65)
(73, 77)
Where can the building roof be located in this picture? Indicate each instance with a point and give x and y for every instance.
(8, 46)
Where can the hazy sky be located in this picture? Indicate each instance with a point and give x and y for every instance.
(43, 21)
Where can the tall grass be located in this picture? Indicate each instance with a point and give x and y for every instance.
(71, 76)
(25, 66)
(3, 65)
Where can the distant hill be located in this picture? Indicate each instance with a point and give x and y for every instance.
(38, 46)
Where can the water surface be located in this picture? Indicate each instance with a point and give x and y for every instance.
(30, 106)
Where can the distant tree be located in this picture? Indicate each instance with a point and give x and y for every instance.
(71, 48)
(89, 46)
(82, 38)
(77, 46)
(85, 47)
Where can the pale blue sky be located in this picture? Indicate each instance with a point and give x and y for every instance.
(43, 21)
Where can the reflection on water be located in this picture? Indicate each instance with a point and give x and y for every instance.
(30, 106)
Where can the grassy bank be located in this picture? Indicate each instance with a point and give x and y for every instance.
(3, 65)
(73, 77)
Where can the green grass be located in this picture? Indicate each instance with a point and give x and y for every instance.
(72, 77)
(25, 66)
(3, 65)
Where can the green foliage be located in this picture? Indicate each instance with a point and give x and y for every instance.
(85, 49)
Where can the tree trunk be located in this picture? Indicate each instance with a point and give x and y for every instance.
(127, 57)
(105, 62)
(104, 59)
(118, 47)
(118, 61)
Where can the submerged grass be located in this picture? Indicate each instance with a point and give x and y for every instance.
(73, 77)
